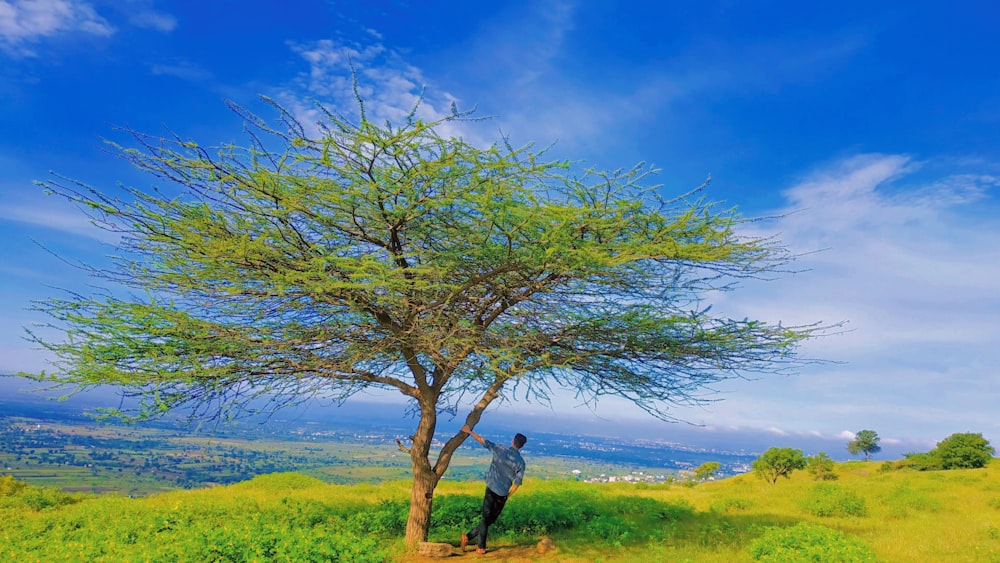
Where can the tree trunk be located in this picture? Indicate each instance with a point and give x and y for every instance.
(425, 479)
(421, 502)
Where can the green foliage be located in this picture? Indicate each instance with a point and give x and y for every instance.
(964, 451)
(10, 486)
(866, 442)
(611, 529)
(15, 494)
(809, 543)
(234, 528)
(378, 255)
(731, 505)
(827, 500)
(611, 519)
(453, 513)
(292, 518)
(550, 512)
(904, 499)
(716, 534)
(822, 467)
(927, 461)
(707, 470)
(279, 482)
(958, 451)
(778, 462)
(390, 256)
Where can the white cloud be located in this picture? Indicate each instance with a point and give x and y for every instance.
(911, 258)
(141, 13)
(389, 86)
(68, 220)
(24, 22)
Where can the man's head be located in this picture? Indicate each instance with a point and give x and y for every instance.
(519, 440)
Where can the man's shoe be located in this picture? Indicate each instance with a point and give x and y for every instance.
(465, 541)
(480, 551)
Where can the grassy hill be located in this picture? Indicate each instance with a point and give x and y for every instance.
(864, 515)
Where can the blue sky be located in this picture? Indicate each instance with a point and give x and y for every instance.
(871, 128)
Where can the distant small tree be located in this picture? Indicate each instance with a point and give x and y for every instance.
(964, 451)
(707, 470)
(821, 467)
(778, 462)
(865, 441)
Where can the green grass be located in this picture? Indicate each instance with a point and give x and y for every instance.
(865, 515)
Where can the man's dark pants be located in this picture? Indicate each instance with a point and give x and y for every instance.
(492, 507)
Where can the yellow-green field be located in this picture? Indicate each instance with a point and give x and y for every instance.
(904, 516)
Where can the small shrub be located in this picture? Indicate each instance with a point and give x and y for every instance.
(612, 529)
(676, 510)
(384, 519)
(455, 512)
(549, 512)
(827, 500)
(810, 543)
(719, 534)
(11, 487)
(928, 461)
(40, 498)
(821, 467)
(731, 505)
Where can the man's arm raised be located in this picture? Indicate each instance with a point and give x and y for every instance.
(475, 436)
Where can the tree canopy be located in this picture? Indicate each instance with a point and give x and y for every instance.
(822, 467)
(778, 462)
(389, 256)
(964, 451)
(707, 470)
(865, 441)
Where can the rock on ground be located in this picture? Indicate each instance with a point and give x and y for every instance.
(432, 549)
(545, 545)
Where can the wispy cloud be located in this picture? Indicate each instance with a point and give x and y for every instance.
(25, 22)
(894, 246)
(910, 257)
(67, 220)
(185, 70)
(142, 13)
(390, 87)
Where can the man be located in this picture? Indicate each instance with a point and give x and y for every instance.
(502, 480)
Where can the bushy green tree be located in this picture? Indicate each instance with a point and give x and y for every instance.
(964, 451)
(821, 467)
(778, 462)
(707, 470)
(866, 442)
(392, 257)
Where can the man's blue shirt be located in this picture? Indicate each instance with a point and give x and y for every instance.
(506, 468)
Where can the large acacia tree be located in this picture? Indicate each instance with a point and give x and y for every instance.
(393, 257)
